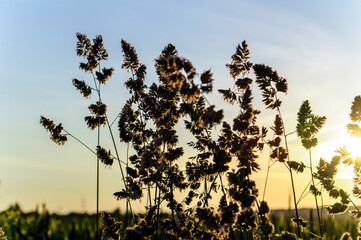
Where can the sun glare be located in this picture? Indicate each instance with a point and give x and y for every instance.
(354, 146)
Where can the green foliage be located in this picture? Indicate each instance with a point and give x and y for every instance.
(44, 225)
(355, 117)
(345, 155)
(355, 114)
(296, 166)
(326, 172)
(308, 124)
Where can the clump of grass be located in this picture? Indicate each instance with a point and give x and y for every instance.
(147, 124)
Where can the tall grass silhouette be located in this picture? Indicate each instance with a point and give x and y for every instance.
(226, 153)
(308, 124)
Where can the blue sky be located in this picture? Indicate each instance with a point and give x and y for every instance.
(314, 44)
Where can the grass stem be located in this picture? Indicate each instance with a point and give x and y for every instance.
(291, 175)
(317, 208)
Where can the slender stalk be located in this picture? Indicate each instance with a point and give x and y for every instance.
(315, 235)
(223, 191)
(205, 179)
(116, 151)
(206, 99)
(149, 196)
(115, 120)
(155, 194)
(111, 133)
(291, 175)
(97, 218)
(313, 182)
(91, 150)
(322, 203)
(291, 133)
(126, 204)
(303, 195)
(353, 204)
(266, 181)
(158, 207)
(171, 190)
(267, 174)
(205, 190)
(210, 188)
(82, 143)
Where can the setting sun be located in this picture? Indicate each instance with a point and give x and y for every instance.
(353, 145)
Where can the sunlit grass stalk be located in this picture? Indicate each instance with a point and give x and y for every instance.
(291, 175)
(304, 194)
(269, 166)
(267, 173)
(266, 180)
(128, 204)
(87, 147)
(323, 205)
(78, 140)
(317, 208)
(97, 204)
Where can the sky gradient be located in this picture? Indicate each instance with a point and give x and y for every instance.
(314, 44)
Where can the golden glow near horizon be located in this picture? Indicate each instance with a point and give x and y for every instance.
(352, 144)
(344, 176)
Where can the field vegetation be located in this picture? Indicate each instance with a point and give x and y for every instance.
(226, 155)
(41, 224)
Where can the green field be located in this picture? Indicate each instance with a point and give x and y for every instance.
(41, 224)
